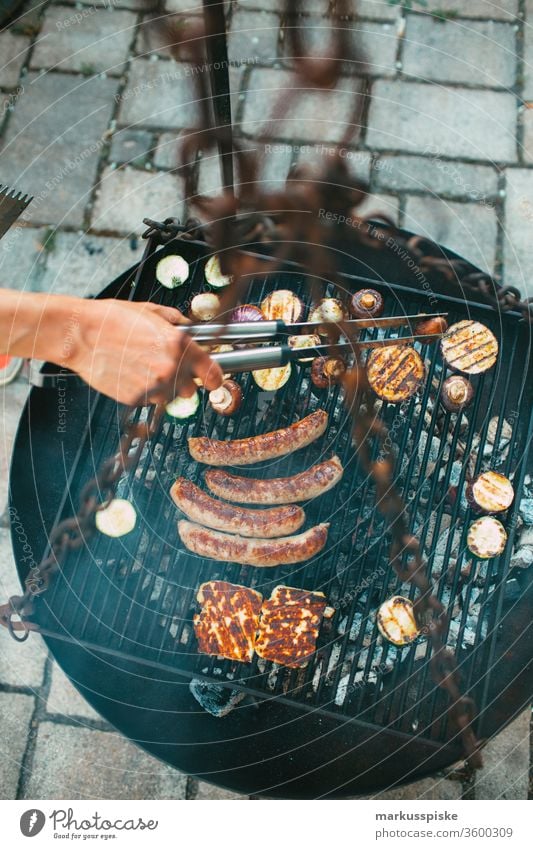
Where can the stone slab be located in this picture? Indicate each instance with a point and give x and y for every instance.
(88, 39)
(16, 711)
(470, 229)
(159, 94)
(13, 50)
(427, 789)
(527, 129)
(435, 175)
(473, 52)
(131, 146)
(126, 195)
(77, 763)
(54, 141)
(13, 398)
(253, 37)
(518, 234)
(494, 9)
(202, 790)
(455, 122)
(312, 115)
(82, 263)
(167, 151)
(506, 762)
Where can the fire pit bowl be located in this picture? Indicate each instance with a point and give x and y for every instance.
(364, 714)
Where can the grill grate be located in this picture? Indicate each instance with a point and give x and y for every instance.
(135, 597)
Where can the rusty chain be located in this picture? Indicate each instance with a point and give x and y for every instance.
(289, 223)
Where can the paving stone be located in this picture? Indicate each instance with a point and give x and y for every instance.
(518, 243)
(58, 158)
(376, 41)
(210, 180)
(89, 39)
(83, 264)
(22, 259)
(78, 763)
(253, 37)
(167, 151)
(435, 175)
(506, 762)
(478, 53)
(427, 788)
(528, 57)
(16, 711)
(470, 229)
(190, 7)
(13, 398)
(115, 4)
(312, 114)
(204, 790)
(309, 7)
(496, 9)
(131, 146)
(159, 94)
(64, 699)
(380, 9)
(274, 165)
(13, 49)
(527, 124)
(357, 161)
(126, 196)
(455, 122)
(374, 204)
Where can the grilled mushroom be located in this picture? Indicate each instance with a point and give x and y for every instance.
(431, 328)
(172, 271)
(306, 340)
(366, 303)
(272, 379)
(396, 621)
(395, 372)
(283, 305)
(491, 492)
(227, 399)
(486, 537)
(117, 518)
(205, 306)
(469, 347)
(456, 393)
(327, 371)
(328, 309)
(214, 275)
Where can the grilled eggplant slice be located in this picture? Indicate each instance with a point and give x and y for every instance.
(205, 306)
(172, 271)
(395, 372)
(396, 621)
(272, 379)
(327, 371)
(456, 393)
(227, 399)
(183, 408)
(491, 492)
(469, 347)
(486, 537)
(283, 305)
(366, 303)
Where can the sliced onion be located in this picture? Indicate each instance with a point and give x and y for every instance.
(214, 275)
(117, 519)
(247, 312)
(183, 408)
(205, 306)
(172, 271)
(272, 379)
(283, 305)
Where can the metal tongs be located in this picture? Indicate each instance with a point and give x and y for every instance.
(273, 356)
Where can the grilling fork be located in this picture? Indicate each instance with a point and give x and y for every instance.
(12, 204)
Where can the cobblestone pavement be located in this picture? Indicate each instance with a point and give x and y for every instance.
(91, 110)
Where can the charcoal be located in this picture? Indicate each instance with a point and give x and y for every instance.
(523, 558)
(526, 510)
(214, 698)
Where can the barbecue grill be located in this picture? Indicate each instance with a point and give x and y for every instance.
(363, 714)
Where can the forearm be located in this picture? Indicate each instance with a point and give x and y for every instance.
(41, 326)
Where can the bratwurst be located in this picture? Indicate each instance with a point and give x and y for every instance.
(252, 552)
(200, 507)
(254, 449)
(302, 487)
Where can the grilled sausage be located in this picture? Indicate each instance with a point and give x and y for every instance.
(254, 449)
(252, 552)
(469, 347)
(302, 487)
(200, 507)
(395, 372)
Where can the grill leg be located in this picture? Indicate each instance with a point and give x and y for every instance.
(217, 54)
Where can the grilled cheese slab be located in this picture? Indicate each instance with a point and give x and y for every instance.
(228, 621)
(289, 626)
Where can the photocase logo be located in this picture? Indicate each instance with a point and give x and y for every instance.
(32, 822)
